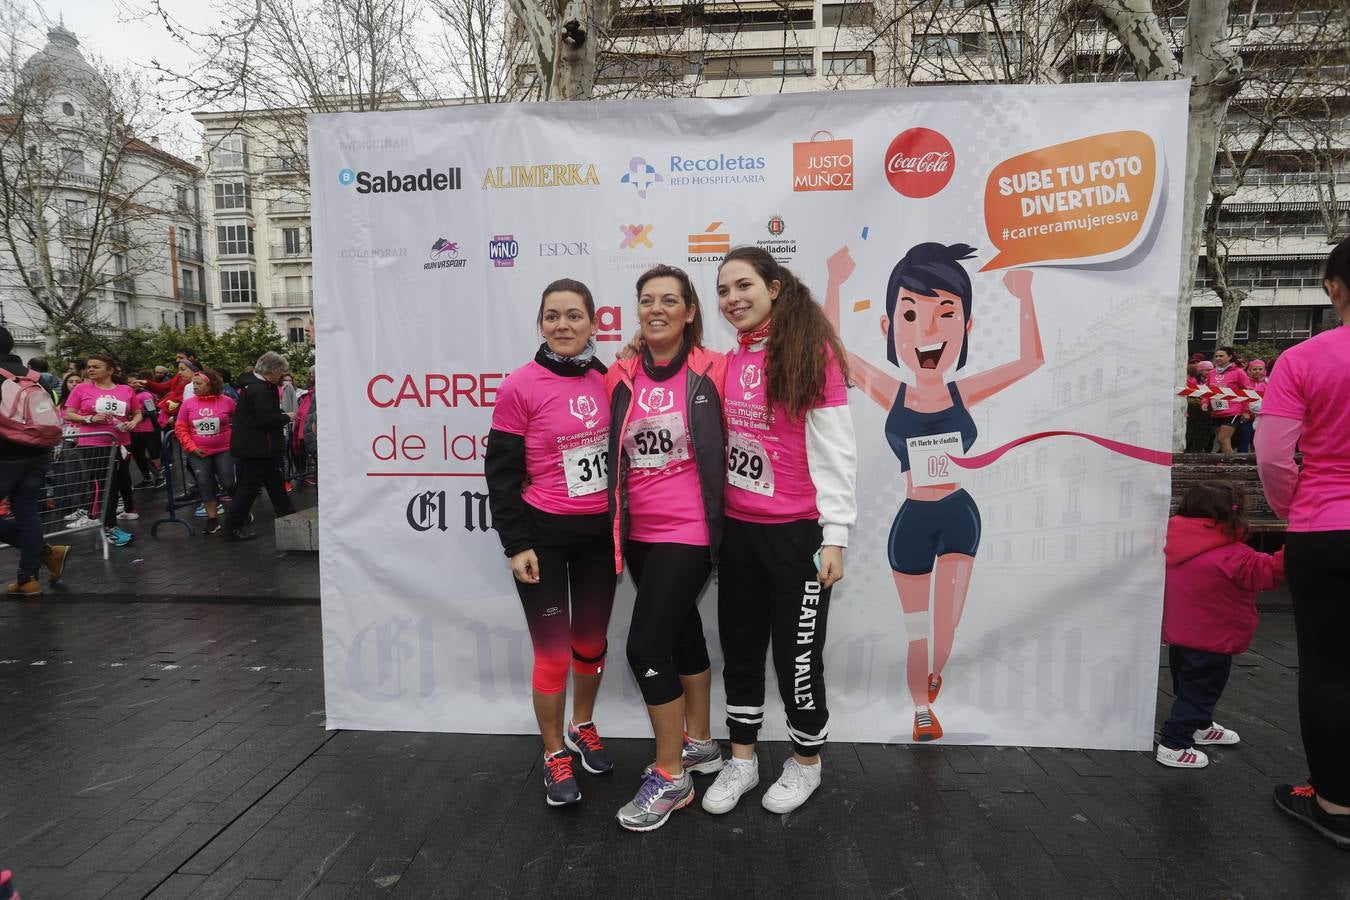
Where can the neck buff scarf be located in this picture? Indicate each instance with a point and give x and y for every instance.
(661, 371)
(755, 335)
(581, 360)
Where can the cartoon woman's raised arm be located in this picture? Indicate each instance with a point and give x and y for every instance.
(875, 383)
(986, 384)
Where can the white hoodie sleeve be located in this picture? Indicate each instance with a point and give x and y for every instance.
(832, 459)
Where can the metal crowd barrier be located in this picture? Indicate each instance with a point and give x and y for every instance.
(78, 485)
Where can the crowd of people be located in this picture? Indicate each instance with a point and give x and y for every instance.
(232, 437)
(1222, 423)
(676, 460)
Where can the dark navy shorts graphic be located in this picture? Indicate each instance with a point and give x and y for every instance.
(923, 530)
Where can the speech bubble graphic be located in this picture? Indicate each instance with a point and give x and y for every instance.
(1080, 202)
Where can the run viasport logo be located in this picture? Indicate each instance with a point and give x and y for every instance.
(445, 255)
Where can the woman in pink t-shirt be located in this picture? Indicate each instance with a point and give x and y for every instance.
(547, 467)
(203, 429)
(791, 464)
(98, 406)
(665, 504)
(1306, 407)
(1226, 412)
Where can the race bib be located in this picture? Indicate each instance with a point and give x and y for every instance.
(748, 465)
(656, 441)
(207, 427)
(928, 462)
(110, 406)
(1219, 404)
(586, 468)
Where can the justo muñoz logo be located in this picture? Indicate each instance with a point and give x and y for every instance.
(919, 162)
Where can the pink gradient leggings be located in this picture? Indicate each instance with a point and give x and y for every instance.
(572, 632)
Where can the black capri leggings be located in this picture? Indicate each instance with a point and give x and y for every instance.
(1317, 565)
(665, 639)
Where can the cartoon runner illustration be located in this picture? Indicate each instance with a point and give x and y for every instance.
(936, 533)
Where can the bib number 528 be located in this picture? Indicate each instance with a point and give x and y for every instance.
(653, 442)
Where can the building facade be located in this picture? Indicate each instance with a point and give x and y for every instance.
(107, 226)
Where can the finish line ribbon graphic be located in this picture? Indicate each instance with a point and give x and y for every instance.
(1158, 457)
(1206, 391)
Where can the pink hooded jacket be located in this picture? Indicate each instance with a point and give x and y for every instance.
(1212, 581)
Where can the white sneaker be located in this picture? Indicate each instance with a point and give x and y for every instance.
(793, 787)
(1215, 734)
(80, 520)
(734, 778)
(128, 515)
(1182, 759)
(77, 515)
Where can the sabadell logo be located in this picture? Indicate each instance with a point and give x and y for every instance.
(920, 162)
(392, 182)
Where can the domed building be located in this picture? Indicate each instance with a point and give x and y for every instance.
(107, 224)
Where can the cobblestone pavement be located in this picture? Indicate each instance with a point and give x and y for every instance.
(177, 750)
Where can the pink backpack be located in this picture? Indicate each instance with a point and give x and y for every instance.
(27, 414)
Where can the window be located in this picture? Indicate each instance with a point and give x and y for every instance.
(72, 161)
(848, 63)
(1207, 322)
(758, 66)
(189, 318)
(121, 314)
(1070, 546)
(1073, 509)
(1098, 383)
(232, 195)
(120, 263)
(295, 331)
(229, 153)
(75, 210)
(182, 196)
(234, 240)
(1126, 499)
(68, 109)
(1041, 506)
(840, 15)
(1284, 323)
(1065, 394)
(238, 286)
(293, 242)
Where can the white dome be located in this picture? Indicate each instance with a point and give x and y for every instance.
(60, 66)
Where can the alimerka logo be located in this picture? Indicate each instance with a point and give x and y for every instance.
(547, 175)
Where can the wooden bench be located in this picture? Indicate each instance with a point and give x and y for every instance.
(1240, 468)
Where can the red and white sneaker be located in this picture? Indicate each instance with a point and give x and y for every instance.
(926, 725)
(934, 687)
(1215, 734)
(1189, 758)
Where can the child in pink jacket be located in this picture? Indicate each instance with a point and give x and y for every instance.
(1209, 613)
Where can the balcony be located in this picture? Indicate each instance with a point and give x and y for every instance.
(124, 284)
(286, 165)
(292, 299)
(190, 254)
(190, 295)
(238, 307)
(1270, 231)
(1284, 178)
(288, 208)
(1247, 284)
(290, 251)
(117, 234)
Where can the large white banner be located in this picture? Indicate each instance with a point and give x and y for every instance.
(435, 231)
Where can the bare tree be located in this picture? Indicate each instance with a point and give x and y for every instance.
(82, 200)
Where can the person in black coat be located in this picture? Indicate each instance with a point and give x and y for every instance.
(257, 442)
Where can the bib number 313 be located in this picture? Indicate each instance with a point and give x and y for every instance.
(586, 469)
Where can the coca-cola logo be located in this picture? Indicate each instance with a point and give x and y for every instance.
(919, 162)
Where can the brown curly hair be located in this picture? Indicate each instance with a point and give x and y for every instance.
(795, 361)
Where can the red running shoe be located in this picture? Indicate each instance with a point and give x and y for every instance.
(926, 725)
(934, 687)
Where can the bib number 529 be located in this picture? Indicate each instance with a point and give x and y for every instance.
(742, 463)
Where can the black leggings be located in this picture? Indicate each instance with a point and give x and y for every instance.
(665, 638)
(567, 611)
(145, 447)
(1317, 565)
(120, 486)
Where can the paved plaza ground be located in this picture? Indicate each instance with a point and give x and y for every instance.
(174, 747)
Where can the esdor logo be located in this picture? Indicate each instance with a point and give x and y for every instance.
(920, 162)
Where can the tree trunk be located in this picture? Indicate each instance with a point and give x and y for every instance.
(576, 49)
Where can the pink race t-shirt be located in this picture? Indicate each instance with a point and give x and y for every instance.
(208, 418)
(665, 500)
(564, 420)
(144, 401)
(1235, 378)
(768, 476)
(88, 399)
(1311, 383)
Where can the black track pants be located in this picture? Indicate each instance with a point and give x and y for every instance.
(665, 639)
(767, 589)
(1317, 565)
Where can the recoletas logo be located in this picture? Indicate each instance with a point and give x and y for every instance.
(391, 182)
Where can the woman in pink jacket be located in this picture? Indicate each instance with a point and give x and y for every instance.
(1209, 613)
(203, 428)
